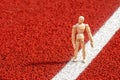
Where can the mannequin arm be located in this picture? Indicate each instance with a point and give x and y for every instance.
(73, 35)
(89, 34)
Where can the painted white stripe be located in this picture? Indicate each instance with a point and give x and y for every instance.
(73, 69)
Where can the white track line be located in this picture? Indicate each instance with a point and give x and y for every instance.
(73, 69)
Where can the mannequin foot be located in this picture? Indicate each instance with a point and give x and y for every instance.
(83, 60)
(75, 60)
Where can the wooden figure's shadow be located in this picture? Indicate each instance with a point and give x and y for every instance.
(45, 63)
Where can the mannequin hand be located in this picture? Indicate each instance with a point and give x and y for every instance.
(92, 45)
(74, 46)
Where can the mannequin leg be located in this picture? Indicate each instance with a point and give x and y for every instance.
(76, 49)
(83, 50)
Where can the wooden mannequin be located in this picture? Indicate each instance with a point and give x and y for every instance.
(78, 37)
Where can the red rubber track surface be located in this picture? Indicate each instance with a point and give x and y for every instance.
(35, 35)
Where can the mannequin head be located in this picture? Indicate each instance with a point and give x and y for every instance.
(80, 19)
